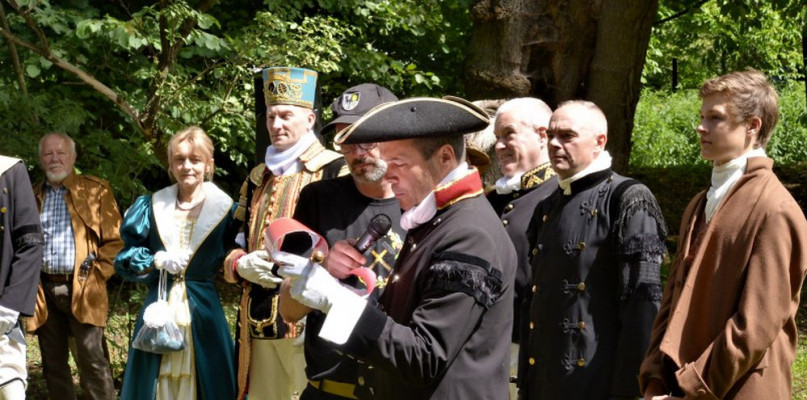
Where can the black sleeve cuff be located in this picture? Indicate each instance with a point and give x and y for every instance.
(367, 331)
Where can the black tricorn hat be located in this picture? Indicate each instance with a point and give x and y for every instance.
(416, 117)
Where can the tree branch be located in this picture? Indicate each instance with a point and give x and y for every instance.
(167, 58)
(43, 39)
(12, 49)
(681, 13)
(84, 76)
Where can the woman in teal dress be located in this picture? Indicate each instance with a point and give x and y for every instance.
(184, 229)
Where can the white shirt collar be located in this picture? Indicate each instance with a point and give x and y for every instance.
(287, 162)
(724, 177)
(601, 163)
(425, 211)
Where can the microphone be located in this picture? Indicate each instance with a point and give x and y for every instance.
(376, 229)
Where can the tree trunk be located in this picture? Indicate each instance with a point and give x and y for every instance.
(560, 50)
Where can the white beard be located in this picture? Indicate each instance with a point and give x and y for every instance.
(56, 177)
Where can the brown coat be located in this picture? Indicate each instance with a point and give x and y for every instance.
(96, 228)
(728, 324)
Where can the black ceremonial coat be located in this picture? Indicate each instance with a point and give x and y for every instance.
(447, 311)
(515, 210)
(596, 289)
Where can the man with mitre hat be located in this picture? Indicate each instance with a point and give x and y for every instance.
(441, 330)
(270, 363)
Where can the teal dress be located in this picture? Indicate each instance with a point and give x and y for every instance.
(147, 229)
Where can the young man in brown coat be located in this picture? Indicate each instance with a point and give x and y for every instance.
(726, 328)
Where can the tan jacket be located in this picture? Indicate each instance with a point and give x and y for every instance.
(96, 228)
(728, 324)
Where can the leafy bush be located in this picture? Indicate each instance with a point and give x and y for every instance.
(664, 129)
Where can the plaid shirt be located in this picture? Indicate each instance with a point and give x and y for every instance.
(60, 247)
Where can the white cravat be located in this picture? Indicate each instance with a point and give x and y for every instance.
(505, 185)
(287, 162)
(423, 212)
(601, 163)
(724, 177)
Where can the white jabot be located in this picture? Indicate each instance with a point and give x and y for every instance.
(505, 185)
(601, 163)
(423, 212)
(724, 177)
(287, 162)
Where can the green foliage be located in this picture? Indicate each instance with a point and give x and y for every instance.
(664, 129)
(176, 65)
(787, 145)
(723, 36)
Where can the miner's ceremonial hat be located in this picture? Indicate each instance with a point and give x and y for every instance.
(357, 101)
(416, 117)
(289, 85)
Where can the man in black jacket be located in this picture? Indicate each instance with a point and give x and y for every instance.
(521, 146)
(438, 331)
(597, 245)
(20, 263)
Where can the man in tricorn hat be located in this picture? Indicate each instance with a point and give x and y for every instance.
(270, 364)
(442, 328)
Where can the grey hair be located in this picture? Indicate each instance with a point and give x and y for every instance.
(538, 115)
(64, 136)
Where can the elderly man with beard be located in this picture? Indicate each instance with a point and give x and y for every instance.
(81, 223)
(360, 196)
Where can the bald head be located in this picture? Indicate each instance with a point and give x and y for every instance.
(578, 132)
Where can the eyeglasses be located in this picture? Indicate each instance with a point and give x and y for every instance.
(348, 148)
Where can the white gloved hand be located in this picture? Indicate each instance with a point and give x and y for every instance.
(172, 262)
(311, 284)
(256, 268)
(8, 318)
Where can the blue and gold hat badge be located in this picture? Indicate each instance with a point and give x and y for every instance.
(288, 85)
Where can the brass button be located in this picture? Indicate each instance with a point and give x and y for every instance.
(581, 286)
(361, 381)
(532, 325)
(535, 251)
(534, 288)
(5, 190)
(318, 257)
(581, 362)
(505, 222)
(546, 217)
(581, 245)
(2, 228)
(594, 212)
(509, 207)
(2, 210)
(581, 325)
(532, 361)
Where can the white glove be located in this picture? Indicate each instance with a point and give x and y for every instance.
(313, 286)
(8, 318)
(172, 262)
(256, 268)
